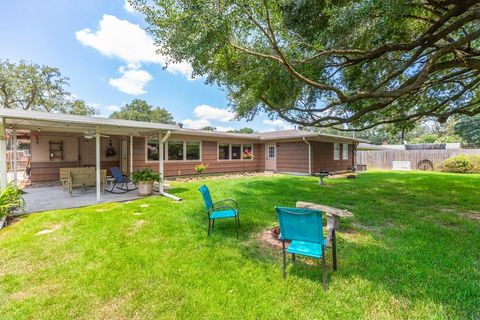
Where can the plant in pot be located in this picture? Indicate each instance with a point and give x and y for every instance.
(144, 179)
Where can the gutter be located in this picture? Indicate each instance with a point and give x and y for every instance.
(309, 155)
(160, 185)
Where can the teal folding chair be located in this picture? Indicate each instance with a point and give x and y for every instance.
(223, 209)
(303, 227)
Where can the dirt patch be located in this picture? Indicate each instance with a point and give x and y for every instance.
(269, 238)
(50, 230)
(474, 215)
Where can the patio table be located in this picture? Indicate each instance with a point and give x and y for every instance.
(333, 223)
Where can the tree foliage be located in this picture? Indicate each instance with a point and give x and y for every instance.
(349, 64)
(29, 86)
(140, 110)
(243, 130)
(469, 129)
(209, 128)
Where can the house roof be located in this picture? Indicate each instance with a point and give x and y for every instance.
(58, 122)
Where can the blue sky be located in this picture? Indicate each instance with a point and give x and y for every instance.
(110, 60)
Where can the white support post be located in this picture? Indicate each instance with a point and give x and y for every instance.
(160, 162)
(131, 157)
(15, 148)
(97, 164)
(3, 155)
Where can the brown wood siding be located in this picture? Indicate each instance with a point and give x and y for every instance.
(50, 171)
(322, 157)
(209, 156)
(292, 157)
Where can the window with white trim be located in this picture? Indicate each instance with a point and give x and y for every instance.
(175, 150)
(336, 151)
(234, 151)
(345, 151)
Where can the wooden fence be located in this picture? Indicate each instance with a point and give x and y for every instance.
(382, 159)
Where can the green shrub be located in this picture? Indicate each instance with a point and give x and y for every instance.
(475, 163)
(200, 168)
(145, 175)
(458, 164)
(11, 199)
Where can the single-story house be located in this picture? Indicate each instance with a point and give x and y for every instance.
(60, 140)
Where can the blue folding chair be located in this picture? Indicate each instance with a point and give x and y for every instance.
(227, 208)
(303, 227)
(120, 182)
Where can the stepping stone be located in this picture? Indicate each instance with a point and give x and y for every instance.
(137, 213)
(144, 205)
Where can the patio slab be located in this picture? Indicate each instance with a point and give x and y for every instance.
(55, 197)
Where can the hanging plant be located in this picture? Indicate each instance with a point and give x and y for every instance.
(110, 152)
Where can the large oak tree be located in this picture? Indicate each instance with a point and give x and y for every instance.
(342, 63)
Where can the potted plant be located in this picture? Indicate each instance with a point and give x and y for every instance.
(200, 168)
(246, 155)
(144, 179)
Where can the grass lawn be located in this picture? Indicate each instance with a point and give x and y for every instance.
(411, 251)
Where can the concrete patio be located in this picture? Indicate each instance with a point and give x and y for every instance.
(43, 198)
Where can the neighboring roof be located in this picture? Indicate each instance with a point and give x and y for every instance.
(420, 146)
(369, 146)
(299, 134)
(34, 120)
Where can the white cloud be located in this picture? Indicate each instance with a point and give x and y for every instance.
(278, 124)
(128, 7)
(112, 108)
(121, 39)
(204, 111)
(132, 81)
(224, 129)
(195, 124)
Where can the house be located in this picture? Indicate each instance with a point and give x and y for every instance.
(60, 140)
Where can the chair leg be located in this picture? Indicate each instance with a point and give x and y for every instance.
(208, 226)
(238, 216)
(334, 250)
(324, 272)
(236, 226)
(213, 223)
(293, 257)
(284, 268)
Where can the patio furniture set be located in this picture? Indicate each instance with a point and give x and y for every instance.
(301, 226)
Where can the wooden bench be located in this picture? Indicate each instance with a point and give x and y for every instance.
(84, 177)
(65, 174)
(333, 222)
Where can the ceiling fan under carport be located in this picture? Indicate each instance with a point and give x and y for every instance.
(89, 134)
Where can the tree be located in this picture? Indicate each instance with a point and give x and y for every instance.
(209, 128)
(348, 64)
(469, 129)
(78, 107)
(30, 86)
(140, 110)
(243, 130)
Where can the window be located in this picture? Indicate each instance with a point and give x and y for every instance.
(247, 148)
(271, 152)
(345, 151)
(193, 150)
(236, 151)
(173, 150)
(336, 151)
(152, 150)
(223, 151)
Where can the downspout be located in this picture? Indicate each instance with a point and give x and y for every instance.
(161, 171)
(309, 155)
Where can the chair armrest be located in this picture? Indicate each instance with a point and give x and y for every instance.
(221, 208)
(232, 202)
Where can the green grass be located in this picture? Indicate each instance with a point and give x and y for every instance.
(412, 250)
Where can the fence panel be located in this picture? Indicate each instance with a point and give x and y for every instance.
(382, 159)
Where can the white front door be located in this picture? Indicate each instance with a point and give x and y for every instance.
(124, 157)
(271, 157)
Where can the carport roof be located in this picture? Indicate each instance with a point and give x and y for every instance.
(35, 120)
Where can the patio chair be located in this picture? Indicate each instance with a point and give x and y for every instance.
(119, 179)
(223, 209)
(303, 227)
